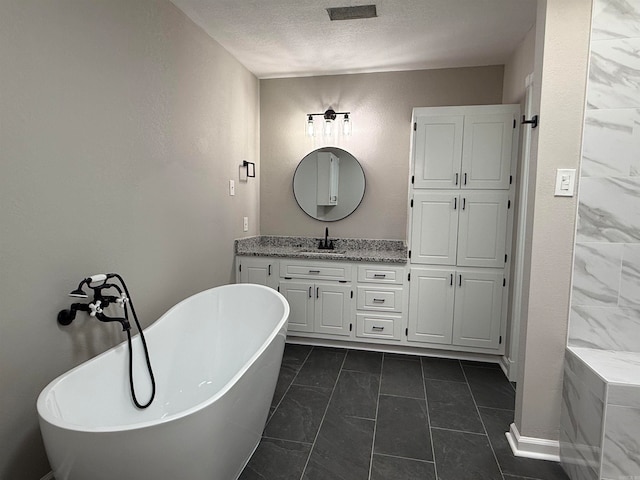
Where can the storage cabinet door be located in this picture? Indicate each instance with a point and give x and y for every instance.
(483, 229)
(301, 302)
(478, 309)
(437, 151)
(332, 309)
(431, 300)
(434, 228)
(258, 270)
(486, 151)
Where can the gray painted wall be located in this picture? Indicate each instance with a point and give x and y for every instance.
(121, 124)
(605, 310)
(562, 46)
(380, 106)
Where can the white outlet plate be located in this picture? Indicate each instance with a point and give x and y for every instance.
(565, 182)
(245, 224)
(232, 188)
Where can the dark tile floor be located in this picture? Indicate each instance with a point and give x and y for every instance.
(352, 415)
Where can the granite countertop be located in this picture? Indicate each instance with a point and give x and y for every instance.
(348, 249)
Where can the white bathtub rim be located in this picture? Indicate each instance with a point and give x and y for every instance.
(52, 420)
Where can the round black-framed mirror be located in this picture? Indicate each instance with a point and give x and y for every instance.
(329, 184)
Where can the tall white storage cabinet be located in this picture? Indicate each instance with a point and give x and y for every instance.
(461, 200)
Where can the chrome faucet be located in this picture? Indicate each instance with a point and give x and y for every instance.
(327, 244)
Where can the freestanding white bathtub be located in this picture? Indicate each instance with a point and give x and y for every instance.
(216, 358)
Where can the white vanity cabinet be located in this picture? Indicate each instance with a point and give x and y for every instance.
(466, 229)
(318, 307)
(461, 222)
(381, 303)
(320, 295)
(260, 270)
(463, 148)
(459, 307)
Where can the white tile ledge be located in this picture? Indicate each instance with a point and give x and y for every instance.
(531, 447)
(615, 368)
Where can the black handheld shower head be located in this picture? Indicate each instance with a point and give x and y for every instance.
(79, 292)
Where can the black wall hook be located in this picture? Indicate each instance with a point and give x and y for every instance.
(533, 121)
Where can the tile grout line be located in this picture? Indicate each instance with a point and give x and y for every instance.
(495, 457)
(375, 421)
(335, 384)
(289, 387)
(426, 402)
(406, 458)
(459, 431)
(266, 437)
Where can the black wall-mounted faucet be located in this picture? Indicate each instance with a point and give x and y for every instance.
(327, 244)
(95, 308)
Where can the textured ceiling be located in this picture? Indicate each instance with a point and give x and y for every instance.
(288, 38)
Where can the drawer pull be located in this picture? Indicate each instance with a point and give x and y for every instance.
(379, 275)
(378, 300)
(310, 291)
(377, 329)
(314, 271)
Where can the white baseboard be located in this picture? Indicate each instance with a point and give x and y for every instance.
(48, 476)
(531, 447)
(509, 367)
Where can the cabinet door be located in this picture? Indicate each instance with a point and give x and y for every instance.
(482, 229)
(437, 151)
(434, 228)
(478, 309)
(431, 300)
(486, 151)
(301, 302)
(262, 271)
(332, 309)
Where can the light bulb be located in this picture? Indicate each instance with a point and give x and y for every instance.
(328, 127)
(346, 125)
(310, 130)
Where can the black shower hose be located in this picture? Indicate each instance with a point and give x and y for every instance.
(144, 346)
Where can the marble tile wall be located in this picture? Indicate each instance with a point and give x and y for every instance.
(605, 306)
(581, 423)
(600, 416)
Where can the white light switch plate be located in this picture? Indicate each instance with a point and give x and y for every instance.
(232, 187)
(565, 182)
(245, 224)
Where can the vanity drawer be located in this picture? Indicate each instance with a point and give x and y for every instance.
(316, 270)
(371, 297)
(380, 274)
(387, 327)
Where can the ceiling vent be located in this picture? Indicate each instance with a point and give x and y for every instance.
(352, 13)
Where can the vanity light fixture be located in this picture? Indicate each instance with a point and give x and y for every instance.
(329, 119)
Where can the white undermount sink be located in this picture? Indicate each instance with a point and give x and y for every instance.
(322, 252)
